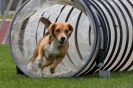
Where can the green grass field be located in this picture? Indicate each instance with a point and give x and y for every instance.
(8, 16)
(8, 79)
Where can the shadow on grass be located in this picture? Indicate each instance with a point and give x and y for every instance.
(93, 75)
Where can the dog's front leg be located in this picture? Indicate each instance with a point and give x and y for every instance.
(35, 54)
(40, 60)
(54, 65)
(47, 63)
(40, 57)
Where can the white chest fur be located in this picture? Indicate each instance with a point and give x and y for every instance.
(52, 49)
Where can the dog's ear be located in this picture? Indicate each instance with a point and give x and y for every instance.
(51, 29)
(45, 21)
(71, 29)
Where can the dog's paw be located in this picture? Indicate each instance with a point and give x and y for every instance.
(39, 64)
(52, 71)
(29, 66)
(40, 72)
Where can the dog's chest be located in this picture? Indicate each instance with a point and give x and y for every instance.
(51, 50)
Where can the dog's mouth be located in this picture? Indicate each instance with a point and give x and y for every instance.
(61, 43)
(62, 40)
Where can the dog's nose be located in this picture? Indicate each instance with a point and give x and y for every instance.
(62, 38)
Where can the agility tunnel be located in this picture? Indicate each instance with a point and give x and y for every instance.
(103, 35)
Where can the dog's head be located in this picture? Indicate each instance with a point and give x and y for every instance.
(61, 31)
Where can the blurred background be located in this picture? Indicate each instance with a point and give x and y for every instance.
(4, 4)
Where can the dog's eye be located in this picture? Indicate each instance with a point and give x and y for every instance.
(66, 31)
(57, 30)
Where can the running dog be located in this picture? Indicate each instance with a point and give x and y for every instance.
(53, 46)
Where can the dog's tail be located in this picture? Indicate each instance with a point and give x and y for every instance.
(45, 21)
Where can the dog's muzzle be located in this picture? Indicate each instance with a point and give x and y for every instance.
(62, 40)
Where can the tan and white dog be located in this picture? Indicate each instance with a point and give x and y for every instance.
(53, 46)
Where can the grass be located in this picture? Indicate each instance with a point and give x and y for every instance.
(8, 79)
(8, 16)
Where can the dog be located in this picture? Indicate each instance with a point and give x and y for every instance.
(53, 46)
